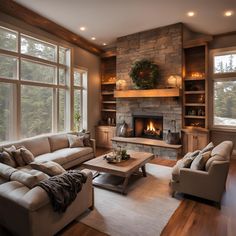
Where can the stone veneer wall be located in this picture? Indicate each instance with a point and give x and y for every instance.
(163, 46)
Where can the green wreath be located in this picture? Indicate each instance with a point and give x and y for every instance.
(144, 74)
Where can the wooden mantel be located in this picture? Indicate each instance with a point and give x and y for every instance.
(171, 92)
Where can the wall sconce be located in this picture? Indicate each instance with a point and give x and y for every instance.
(174, 81)
(121, 84)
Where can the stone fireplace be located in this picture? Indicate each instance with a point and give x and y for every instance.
(164, 47)
(148, 126)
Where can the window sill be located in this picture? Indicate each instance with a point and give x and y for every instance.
(224, 129)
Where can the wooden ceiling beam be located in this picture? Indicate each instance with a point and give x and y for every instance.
(32, 18)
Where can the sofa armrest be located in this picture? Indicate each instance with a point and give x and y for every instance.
(93, 142)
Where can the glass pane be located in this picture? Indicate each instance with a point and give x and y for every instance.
(36, 110)
(225, 63)
(77, 109)
(37, 72)
(225, 103)
(62, 110)
(62, 76)
(62, 55)
(77, 78)
(37, 48)
(8, 39)
(8, 67)
(6, 107)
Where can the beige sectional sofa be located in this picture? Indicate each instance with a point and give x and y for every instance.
(26, 211)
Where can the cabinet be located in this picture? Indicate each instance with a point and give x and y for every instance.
(104, 134)
(108, 85)
(194, 139)
(195, 83)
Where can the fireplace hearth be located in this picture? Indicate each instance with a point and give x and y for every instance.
(148, 126)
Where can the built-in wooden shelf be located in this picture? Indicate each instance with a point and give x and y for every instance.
(172, 92)
(195, 104)
(193, 78)
(195, 92)
(109, 110)
(195, 117)
(109, 102)
(108, 93)
(105, 83)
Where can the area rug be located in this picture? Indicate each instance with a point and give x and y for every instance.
(145, 210)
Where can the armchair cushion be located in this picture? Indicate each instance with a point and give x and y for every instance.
(200, 161)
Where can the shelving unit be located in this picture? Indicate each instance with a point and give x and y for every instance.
(195, 134)
(108, 85)
(195, 77)
(106, 129)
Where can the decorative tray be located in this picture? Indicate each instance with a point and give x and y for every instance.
(112, 159)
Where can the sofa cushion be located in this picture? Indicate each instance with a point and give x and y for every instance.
(7, 159)
(37, 145)
(75, 141)
(200, 161)
(27, 179)
(50, 168)
(58, 141)
(28, 169)
(6, 171)
(64, 155)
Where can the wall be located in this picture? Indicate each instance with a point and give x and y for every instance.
(81, 58)
(163, 46)
(222, 41)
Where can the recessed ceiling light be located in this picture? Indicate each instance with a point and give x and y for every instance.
(82, 28)
(191, 13)
(93, 38)
(104, 44)
(228, 13)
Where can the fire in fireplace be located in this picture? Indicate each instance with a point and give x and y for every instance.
(148, 126)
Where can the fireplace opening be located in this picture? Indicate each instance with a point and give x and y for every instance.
(148, 127)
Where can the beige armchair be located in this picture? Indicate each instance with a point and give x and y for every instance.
(208, 184)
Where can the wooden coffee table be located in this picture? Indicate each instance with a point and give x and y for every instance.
(122, 169)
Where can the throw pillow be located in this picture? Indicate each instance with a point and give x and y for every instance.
(9, 150)
(86, 138)
(176, 170)
(27, 179)
(200, 161)
(27, 155)
(7, 159)
(75, 141)
(50, 168)
(209, 147)
(18, 157)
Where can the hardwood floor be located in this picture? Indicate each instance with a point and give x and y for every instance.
(194, 216)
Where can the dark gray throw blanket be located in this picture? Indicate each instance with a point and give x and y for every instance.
(62, 189)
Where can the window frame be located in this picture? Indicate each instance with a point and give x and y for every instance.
(83, 96)
(219, 77)
(17, 82)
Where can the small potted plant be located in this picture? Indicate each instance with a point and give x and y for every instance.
(77, 118)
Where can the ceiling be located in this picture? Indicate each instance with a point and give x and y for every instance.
(109, 19)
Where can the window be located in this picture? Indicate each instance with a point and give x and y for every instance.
(224, 88)
(8, 39)
(80, 98)
(35, 93)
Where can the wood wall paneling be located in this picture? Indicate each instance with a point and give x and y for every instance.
(20, 12)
